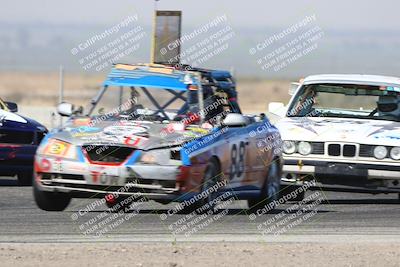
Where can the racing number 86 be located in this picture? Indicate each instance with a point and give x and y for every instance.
(237, 160)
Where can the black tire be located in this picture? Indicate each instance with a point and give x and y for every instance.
(212, 175)
(50, 201)
(292, 188)
(270, 189)
(25, 178)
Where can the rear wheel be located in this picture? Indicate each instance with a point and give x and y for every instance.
(270, 190)
(50, 201)
(25, 178)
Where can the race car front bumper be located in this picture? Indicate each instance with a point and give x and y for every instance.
(358, 174)
(83, 179)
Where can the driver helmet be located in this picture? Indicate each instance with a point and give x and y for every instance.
(388, 105)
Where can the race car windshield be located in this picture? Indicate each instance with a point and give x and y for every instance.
(134, 103)
(347, 101)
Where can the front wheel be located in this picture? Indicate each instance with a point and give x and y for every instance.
(211, 178)
(270, 191)
(206, 204)
(50, 201)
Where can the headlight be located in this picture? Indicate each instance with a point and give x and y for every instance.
(58, 148)
(304, 148)
(289, 147)
(159, 156)
(380, 152)
(395, 153)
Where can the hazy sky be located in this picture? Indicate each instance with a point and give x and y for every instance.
(339, 14)
(354, 31)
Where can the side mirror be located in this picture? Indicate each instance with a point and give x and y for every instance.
(12, 107)
(65, 109)
(277, 108)
(235, 120)
(293, 88)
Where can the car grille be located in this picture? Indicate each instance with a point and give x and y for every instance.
(334, 150)
(16, 137)
(349, 151)
(346, 150)
(366, 151)
(317, 148)
(105, 153)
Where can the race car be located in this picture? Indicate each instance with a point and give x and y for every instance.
(342, 132)
(19, 138)
(140, 148)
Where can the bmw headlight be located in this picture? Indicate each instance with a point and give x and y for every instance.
(380, 152)
(304, 148)
(289, 147)
(395, 153)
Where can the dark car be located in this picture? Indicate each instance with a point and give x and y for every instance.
(19, 138)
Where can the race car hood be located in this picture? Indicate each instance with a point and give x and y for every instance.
(318, 129)
(143, 135)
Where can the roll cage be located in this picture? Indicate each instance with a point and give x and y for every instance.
(175, 81)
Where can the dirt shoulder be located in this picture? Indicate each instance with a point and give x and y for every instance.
(200, 254)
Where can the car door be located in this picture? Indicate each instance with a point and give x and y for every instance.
(264, 140)
(239, 157)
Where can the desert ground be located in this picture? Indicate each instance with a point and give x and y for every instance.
(200, 254)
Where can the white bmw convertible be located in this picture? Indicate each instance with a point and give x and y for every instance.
(343, 133)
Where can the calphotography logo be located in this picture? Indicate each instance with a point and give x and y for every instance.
(284, 48)
(199, 133)
(110, 46)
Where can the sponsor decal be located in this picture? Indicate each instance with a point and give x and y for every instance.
(58, 165)
(133, 123)
(394, 136)
(133, 140)
(199, 130)
(125, 130)
(83, 134)
(82, 122)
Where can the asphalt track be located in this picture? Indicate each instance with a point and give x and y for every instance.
(325, 217)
